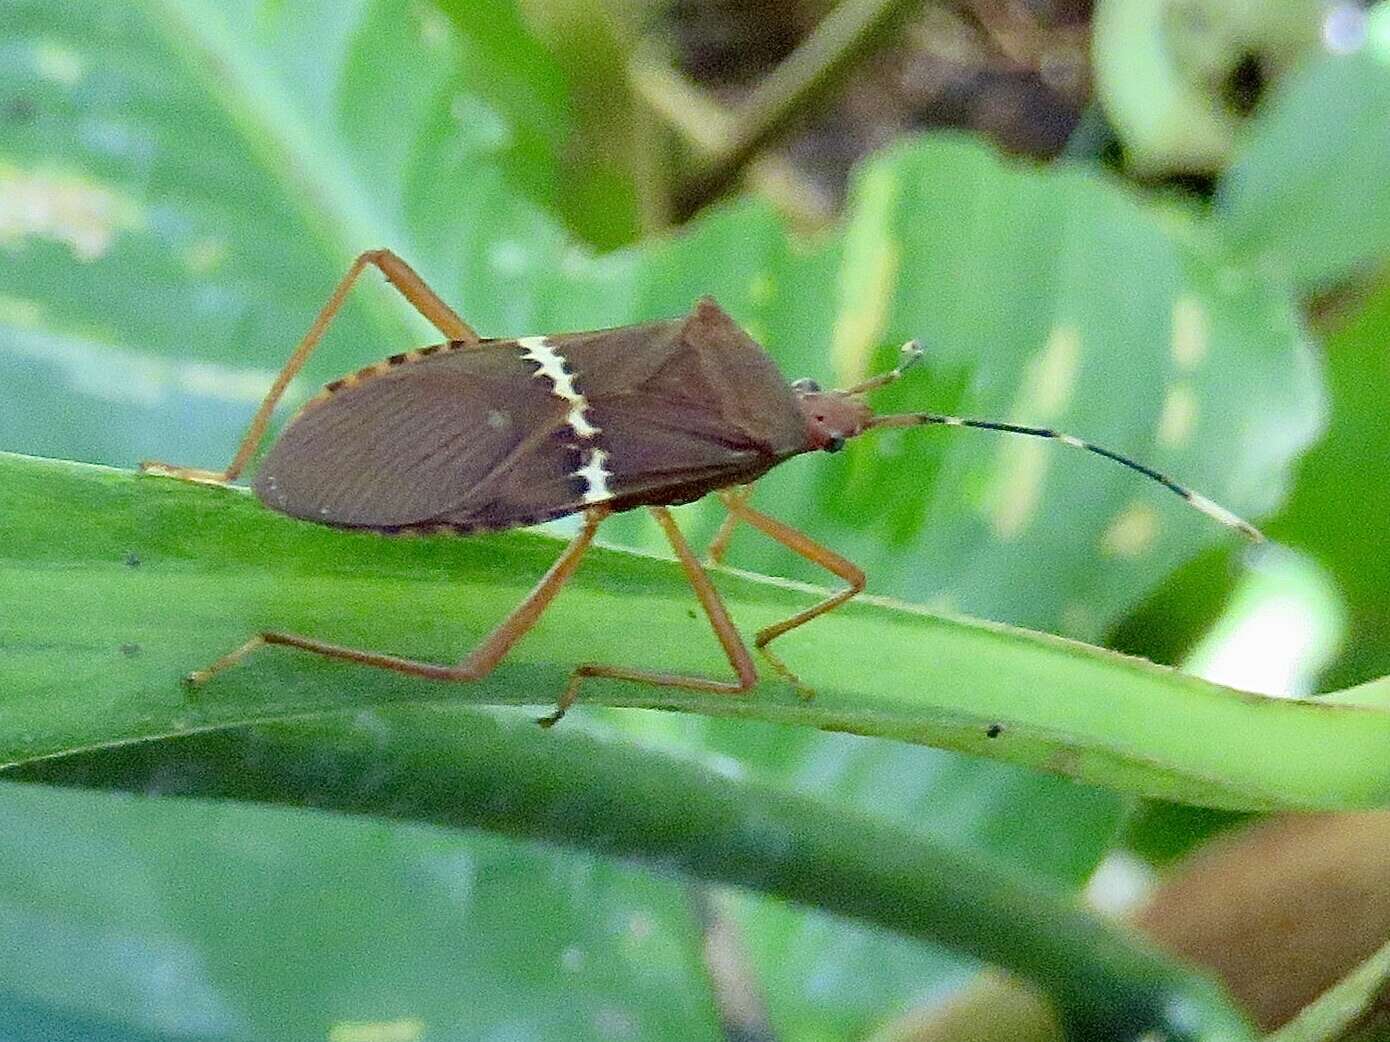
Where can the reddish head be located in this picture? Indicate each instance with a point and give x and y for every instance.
(832, 417)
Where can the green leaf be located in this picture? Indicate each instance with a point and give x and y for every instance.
(1310, 191)
(147, 578)
(1343, 484)
(463, 768)
(307, 926)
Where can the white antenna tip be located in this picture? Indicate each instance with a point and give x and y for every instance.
(1220, 513)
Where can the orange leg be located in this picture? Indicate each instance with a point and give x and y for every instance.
(479, 662)
(719, 545)
(719, 619)
(811, 550)
(399, 274)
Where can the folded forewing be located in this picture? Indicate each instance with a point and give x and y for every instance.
(405, 444)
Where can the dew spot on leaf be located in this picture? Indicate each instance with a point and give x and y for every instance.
(1190, 333)
(80, 213)
(1178, 418)
(1132, 533)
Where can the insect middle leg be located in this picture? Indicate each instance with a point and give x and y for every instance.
(399, 274)
(718, 615)
(719, 545)
(479, 663)
(805, 546)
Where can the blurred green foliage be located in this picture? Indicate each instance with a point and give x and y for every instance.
(182, 182)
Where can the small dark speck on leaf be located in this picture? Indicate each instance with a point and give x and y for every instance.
(994, 730)
(690, 612)
(20, 110)
(132, 560)
(130, 649)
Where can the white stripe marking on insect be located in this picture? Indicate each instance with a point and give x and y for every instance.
(551, 365)
(579, 421)
(595, 476)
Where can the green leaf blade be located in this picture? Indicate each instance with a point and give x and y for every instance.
(1308, 191)
(214, 567)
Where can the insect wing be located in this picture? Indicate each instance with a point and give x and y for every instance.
(414, 443)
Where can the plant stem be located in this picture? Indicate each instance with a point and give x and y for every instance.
(815, 68)
(498, 771)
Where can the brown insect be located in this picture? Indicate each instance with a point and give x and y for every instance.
(482, 434)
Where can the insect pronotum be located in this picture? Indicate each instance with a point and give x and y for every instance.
(479, 434)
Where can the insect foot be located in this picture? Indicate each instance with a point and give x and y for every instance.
(196, 679)
(803, 690)
(168, 470)
(567, 699)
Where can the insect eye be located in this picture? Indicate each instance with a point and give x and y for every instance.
(835, 444)
(805, 385)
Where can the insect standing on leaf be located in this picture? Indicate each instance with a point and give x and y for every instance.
(476, 435)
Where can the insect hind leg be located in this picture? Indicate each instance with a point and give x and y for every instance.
(479, 662)
(410, 285)
(715, 611)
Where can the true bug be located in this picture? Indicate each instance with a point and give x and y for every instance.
(485, 434)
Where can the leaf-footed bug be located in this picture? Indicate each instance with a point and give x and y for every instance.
(480, 434)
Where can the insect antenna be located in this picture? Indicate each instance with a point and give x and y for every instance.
(911, 355)
(912, 352)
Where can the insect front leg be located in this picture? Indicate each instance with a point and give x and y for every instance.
(718, 616)
(411, 286)
(478, 664)
(805, 546)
